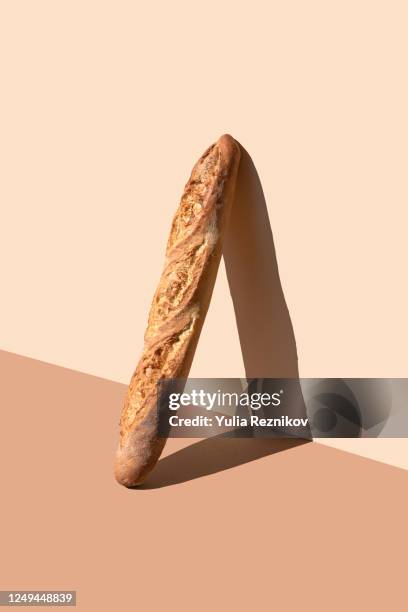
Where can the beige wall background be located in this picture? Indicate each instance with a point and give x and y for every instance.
(105, 108)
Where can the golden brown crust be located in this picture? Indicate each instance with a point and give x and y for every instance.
(179, 305)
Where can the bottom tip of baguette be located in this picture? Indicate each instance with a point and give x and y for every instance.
(128, 476)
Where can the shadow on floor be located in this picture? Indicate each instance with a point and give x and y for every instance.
(214, 455)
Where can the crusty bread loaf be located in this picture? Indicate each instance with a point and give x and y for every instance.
(179, 306)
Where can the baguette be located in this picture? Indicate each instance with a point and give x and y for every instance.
(179, 305)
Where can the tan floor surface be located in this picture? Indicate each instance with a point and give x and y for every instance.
(221, 525)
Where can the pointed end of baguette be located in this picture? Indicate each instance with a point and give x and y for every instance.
(229, 149)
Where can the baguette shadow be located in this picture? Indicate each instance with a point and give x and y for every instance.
(264, 326)
(214, 455)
